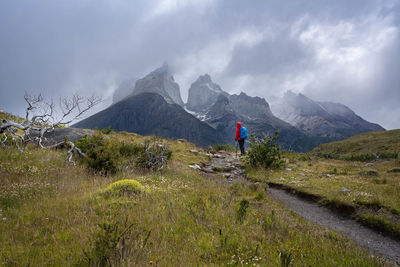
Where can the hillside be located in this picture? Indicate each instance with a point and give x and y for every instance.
(56, 214)
(386, 144)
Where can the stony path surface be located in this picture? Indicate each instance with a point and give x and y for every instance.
(231, 169)
(365, 237)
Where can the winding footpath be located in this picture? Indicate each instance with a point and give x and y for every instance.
(376, 243)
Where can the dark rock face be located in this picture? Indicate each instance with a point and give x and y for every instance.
(252, 107)
(203, 93)
(223, 118)
(160, 82)
(59, 134)
(321, 119)
(149, 113)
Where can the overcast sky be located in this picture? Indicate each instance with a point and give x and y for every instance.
(340, 51)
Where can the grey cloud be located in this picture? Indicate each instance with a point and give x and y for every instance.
(59, 47)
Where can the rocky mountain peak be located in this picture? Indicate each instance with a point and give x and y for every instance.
(303, 104)
(323, 119)
(203, 93)
(160, 81)
(251, 107)
(163, 70)
(205, 78)
(221, 107)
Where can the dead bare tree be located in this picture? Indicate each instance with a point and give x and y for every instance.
(43, 117)
(155, 155)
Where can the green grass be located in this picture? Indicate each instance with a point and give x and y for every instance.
(373, 187)
(362, 147)
(224, 147)
(51, 214)
(380, 224)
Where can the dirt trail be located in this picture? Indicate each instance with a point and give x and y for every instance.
(231, 169)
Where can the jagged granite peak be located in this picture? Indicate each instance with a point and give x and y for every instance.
(250, 107)
(221, 107)
(160, 81)
(223, 118)
(150, 113)
(203, 93)
(123, 90)
(323, 119)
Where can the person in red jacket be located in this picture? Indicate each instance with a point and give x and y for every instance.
(238, 139)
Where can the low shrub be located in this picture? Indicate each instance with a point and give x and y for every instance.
(242, 210)
(370, 157)
(264, 152)
(129, 150)
(107, 130)
(101, 154)
(126, 187)
(107, 155)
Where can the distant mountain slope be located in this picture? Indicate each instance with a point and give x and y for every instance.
(386, 142)
(149, 113)
(323, 119)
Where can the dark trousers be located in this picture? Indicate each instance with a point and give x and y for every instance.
(241, 145)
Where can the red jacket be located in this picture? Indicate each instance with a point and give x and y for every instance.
(238, 125)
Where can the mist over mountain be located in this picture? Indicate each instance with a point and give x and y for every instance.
(323, 119)
(302, 123)
(123, 90)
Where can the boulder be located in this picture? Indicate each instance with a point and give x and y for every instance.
(59, 134)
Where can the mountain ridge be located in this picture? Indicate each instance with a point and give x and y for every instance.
(302, 122)
(149, 113)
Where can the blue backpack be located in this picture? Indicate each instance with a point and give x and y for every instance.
(243, 133)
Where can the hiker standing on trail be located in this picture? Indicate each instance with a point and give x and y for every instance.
(241, 136)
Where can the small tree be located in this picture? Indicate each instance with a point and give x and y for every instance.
(264, 152)
(42, 117)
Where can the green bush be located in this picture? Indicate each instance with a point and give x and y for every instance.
(129, 150)
(126, 187)
(107, 130)
(264, 152)
(242, 210)
(105, 155)
(370, 157)
(101, 154)
(108, 244)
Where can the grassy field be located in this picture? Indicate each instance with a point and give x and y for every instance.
(55, 214)
(366, 146)
(370, 189)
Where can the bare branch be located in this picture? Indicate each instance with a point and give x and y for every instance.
(69, 106)
(41, 117)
